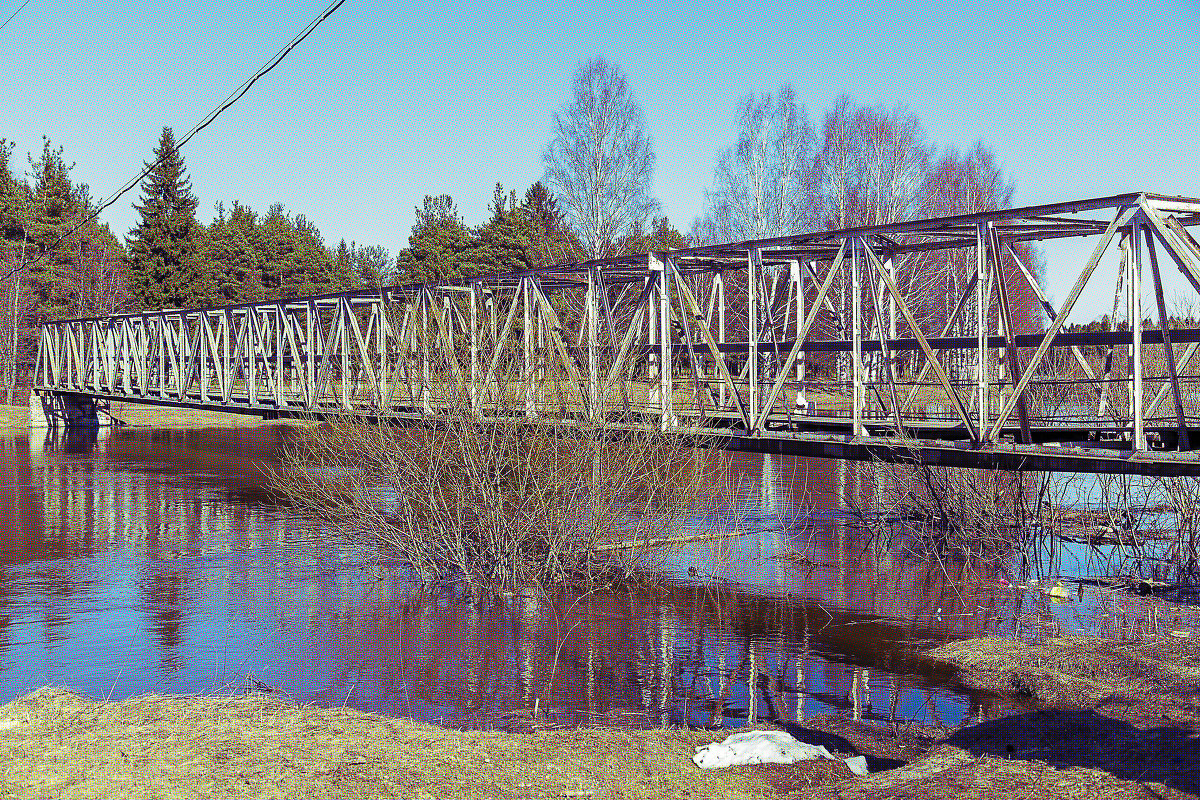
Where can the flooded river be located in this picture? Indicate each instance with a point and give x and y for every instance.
(153, 561)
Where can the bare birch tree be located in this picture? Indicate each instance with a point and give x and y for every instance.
(764, 184)
(837, 165)
(11, 316)
(872, 169)
(970, 184)
(599, 163)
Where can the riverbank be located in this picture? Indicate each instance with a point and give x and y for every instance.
(1115, 753)
(144, 416)
(57, 744)
(1107, 719)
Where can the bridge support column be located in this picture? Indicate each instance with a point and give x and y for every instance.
(67, 410)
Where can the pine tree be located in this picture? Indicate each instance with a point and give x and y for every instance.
(52, 211)
(372, 264)
(504, 243)
(163, 246)
(439, 246)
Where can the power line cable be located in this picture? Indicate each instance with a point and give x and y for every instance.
(18, 11)
(201, 125)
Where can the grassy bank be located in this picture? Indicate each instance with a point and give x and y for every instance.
(56, 744)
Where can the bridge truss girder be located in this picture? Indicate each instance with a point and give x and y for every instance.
(713, 340)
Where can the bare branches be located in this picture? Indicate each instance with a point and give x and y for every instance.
(600, 162)
(501, 505)
(763, 185)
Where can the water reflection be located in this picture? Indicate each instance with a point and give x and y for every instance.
(683, 655)
(136, 561)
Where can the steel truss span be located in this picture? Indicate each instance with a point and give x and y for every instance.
(899, 341)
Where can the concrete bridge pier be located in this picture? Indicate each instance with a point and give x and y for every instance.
(67, 410)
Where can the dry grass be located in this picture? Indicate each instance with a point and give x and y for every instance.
(56, 744)
(1076, 671)
(62, 745)
(65, 746)
(582, 763)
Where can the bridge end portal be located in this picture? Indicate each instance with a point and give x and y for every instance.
(67, 410)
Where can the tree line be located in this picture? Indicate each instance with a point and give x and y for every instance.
(862, 166)
(57, 261)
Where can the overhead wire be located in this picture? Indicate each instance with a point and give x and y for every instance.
(199, 126)
(10, 18)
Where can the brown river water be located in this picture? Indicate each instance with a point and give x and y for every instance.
(152, 561)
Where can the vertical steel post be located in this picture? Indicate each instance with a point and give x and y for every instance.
(982, 298)
(1135, 328)
(280, 369)
(474, 394)
(798, 281)
(656, 262)
(250, 353)
(894, 356)
(343, 307)
(666, 359)
(856, 337)
(593, 312)
(382, 326)
(226, 357)
(426, 407)
(541, 355)
(309, 351)
(752, 267)
(162, 355)
(530, 409)
(719, 285)
(653, 377)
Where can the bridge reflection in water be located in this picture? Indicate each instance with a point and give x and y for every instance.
(722, 342)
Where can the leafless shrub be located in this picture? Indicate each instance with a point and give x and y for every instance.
(503, 504)
(935, 512)
(1149, 528)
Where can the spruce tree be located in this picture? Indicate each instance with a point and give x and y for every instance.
(551, 241)
(162, 248)
(232, 270)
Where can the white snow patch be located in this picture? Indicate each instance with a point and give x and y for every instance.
(767, 747)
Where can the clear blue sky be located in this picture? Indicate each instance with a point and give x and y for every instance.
(386, 103)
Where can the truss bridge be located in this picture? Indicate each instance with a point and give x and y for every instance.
(923, 340)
